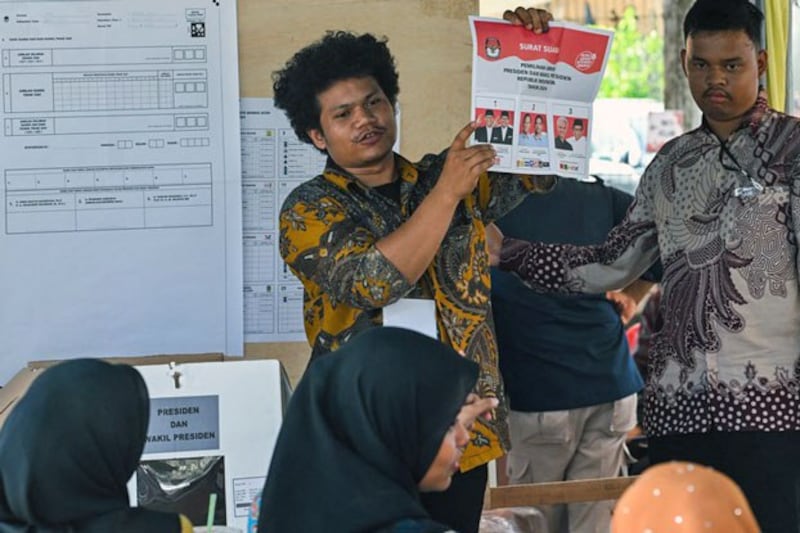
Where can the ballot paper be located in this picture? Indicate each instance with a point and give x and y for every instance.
(532, 94)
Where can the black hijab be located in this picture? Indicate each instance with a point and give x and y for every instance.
(68, 449)
(360, 432)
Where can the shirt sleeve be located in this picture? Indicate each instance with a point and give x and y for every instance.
(794, 199)
(499, 193)
(326, 246)
(621, 202)
(629, 250)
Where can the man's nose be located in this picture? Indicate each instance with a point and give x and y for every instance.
(364, 113)
(716, 76)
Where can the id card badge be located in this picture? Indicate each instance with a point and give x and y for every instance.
(412, 313)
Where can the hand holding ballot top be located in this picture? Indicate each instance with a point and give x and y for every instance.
(533, 76)
(534, 19)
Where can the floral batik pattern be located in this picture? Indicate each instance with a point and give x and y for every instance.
(328, 230)
(728, 355)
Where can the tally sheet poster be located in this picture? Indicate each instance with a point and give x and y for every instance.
(120, 200)
(274, 162)
(532, 94)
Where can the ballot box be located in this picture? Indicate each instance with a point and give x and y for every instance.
(213, 426)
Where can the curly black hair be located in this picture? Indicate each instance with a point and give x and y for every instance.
(339, 55)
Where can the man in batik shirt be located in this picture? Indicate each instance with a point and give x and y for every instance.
(375, 228)
(720, 206)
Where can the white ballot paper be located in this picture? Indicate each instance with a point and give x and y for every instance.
(121, 217)
(532, 94)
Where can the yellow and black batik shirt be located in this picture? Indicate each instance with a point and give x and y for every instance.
(328, 229)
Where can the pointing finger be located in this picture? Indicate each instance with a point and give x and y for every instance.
(460, 142)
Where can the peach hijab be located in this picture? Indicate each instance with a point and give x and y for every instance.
(683, 497)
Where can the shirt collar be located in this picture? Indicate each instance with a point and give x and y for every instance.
(343, 179)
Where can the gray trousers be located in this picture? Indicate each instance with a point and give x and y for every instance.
(582, 443)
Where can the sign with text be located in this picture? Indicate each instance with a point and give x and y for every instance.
(662, 127)
(183, 424)
(213, 422)
(532, 94)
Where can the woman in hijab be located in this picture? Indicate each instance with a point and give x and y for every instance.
(68, 449)
(683, 497)
(368, 427)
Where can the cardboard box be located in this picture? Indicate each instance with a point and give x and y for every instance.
(236, 407)
(18, 385)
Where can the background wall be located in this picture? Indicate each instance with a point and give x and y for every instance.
(431, 42)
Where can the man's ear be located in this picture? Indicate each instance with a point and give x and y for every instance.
(683, 62)
(761, 60)
(317, 138)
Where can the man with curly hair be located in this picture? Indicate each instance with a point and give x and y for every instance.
(374, 228)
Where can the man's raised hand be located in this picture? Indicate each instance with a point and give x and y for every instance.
(464, 165)
(536, 20)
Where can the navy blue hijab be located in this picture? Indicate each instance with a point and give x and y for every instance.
(68, 449)
(360, 432)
